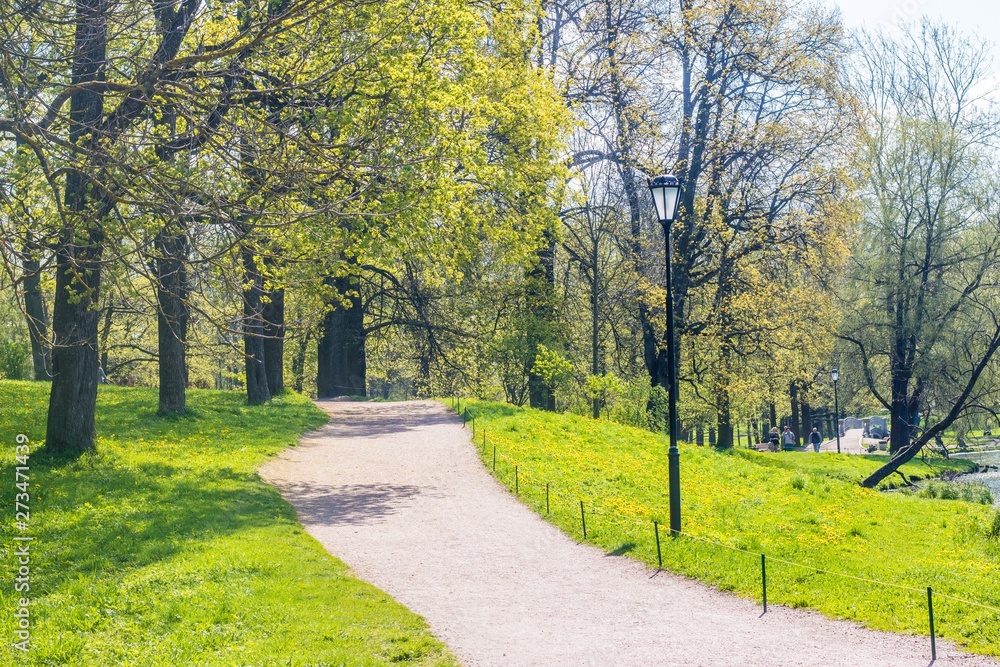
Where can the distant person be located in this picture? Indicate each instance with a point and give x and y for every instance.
(816, 439)
(101, 377)
(773, 440)
(788, 439)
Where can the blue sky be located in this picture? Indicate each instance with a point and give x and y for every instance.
(982, 16)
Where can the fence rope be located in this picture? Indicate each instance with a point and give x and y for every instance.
(599, 512)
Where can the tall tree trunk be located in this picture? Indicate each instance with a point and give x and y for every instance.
(899, 414)
(725, 419)
(253, 330)
(73, 398)
(172, 316)
(793, 395)
(595, 321)
(274, 341)
(299, 361)
(806, 412)
(341, 367)
(36, 314)
(541, 293)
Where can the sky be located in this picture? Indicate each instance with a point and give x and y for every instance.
(981, 16)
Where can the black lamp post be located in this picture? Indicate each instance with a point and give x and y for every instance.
(835, 375)
(666, 192)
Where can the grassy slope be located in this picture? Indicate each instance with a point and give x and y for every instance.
(804, 508)
(167, 549)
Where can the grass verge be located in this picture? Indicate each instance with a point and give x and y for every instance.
(166, 548)
(799, 507)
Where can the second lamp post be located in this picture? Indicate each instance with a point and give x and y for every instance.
(835, 375)
(666, 192)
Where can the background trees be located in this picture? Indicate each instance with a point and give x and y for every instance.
(922, 308)
(411, 200)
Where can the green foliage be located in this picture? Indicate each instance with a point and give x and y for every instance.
(15, 359)
(969, 492)
(166, 548)
(657, 410)
(556, 372)
(993, 532)
(801, 507)
(605, 388)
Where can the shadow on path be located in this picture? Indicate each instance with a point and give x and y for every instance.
(358, 504)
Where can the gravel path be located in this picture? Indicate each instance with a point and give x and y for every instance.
(397, 491)
(850, 442)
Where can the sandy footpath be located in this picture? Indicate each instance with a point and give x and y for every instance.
(397, 492)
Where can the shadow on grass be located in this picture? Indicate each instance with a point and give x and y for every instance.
(157, 486)
(96, 514)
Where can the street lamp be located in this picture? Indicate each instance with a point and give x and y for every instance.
(835, 375)
(666, 190)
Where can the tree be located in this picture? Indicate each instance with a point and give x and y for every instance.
(761, 123)
(922, 289)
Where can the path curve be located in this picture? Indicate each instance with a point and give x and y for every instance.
(850, 442)
(397, 492)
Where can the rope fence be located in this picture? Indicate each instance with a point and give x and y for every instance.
(522, 481)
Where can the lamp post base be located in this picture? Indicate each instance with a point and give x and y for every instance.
(674, 470)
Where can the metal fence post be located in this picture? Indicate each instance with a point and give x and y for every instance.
(763, 579)
(583, 520)
(659, 556)
(930, 617)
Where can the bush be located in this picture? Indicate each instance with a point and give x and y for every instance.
(15, 360)
(994, 529)
(656, 409)
(972, 492)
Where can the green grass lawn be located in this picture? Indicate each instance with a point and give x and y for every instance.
(800, 507)
(166, 548)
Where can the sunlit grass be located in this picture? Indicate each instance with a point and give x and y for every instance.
(801, 507)
(165, 547)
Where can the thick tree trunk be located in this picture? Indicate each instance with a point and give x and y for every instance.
(73, 398)
(36, 315)
(725, 420)
(253, 331)
(172, 317)
(899, 414)
(274, 341)
(806, 423)
(341, 367)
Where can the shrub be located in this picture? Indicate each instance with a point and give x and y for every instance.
(994, 529)
(15, 360)
(656, 409)
(973, 492)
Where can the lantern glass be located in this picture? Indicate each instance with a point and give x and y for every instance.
(835, 374)
(666, 191)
